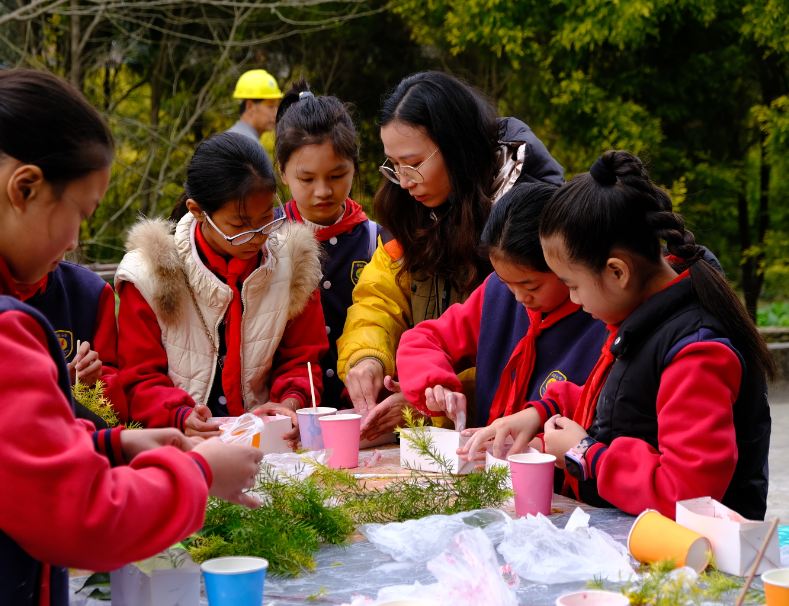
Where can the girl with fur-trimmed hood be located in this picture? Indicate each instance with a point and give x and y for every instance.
(221, 317)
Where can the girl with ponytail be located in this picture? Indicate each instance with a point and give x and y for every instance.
(519, 329)
(317, 153)
(676, 407)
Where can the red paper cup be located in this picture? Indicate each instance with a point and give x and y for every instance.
(341, 434)
(532, 481)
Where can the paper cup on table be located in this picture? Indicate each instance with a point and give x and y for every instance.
(593, 598)
(532, 482)
(341, 434)
(234, 581)
(310, 428)
(776, 587)
(655, 537)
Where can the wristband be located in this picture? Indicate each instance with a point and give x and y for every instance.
(575, 459)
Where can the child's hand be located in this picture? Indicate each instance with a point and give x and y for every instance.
(561, 434)
(136, 441)
(285, 408)
(479, 456)
(234, 467)
(364, 382)
(86, 362)
(451, 402)
(522, 426)
(199, 423)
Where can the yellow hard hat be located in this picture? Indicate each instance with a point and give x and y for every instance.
(257, 84)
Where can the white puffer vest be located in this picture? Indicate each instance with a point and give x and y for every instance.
(274, 293)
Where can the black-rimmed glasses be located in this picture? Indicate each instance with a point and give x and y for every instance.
(409, 172)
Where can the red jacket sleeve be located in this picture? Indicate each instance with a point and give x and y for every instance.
(153, 399)
(304, 340)
(561, 398)
(435, 351)
(696, 438)
(61, 501)
(105, 343)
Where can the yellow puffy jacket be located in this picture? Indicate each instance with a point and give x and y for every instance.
(383, 309)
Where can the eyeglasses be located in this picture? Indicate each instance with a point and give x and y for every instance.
(409, 172)
(246, 236)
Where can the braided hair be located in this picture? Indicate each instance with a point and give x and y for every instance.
(615, 206)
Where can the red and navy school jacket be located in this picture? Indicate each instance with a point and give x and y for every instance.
(20, 574)
(346, 256)
(80, 306)
(483, 332)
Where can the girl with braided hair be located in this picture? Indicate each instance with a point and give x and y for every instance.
(676, 407)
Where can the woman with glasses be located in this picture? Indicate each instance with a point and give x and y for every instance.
(221, 317)
(448, 159)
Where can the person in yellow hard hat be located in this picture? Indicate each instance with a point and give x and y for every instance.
(260, 97)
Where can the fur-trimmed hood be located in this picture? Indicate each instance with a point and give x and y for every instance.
(163, 246)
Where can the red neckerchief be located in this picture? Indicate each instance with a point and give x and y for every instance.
(354, 214)
(7, 284)
(521, 362)
(584, 412)
(28, 290)
(235, 271)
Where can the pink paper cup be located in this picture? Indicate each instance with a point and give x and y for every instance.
(310, 428)
(532, 481)
(341, 434)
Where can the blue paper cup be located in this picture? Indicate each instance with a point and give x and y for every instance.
(235, 580)
(309, 427)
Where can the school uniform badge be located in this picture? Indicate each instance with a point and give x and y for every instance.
(66, 339)
(551, 378)
(356, 271)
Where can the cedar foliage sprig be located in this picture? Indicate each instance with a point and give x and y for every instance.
(93, 399)
(658, 587)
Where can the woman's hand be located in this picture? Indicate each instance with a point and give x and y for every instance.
(199, 423)
(86, 362)
(387, 415)
(136, 441)
(364, 382)
(522, 426)
(561, 434)
(453, 403)
(286, 408)
(235, 469)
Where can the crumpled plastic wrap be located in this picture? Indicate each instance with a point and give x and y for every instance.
(297, 466)
(418, 541)
(243, 430)
(540, 552)
(468, 574)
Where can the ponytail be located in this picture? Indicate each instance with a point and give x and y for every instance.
(616, 206)
(512, 232)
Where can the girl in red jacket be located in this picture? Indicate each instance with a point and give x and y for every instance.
(222, 316)
(72, 496)
(676, 407)
(519, 329)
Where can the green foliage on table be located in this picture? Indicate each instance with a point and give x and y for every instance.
(658, 585)
(297, 516)
(93, 399)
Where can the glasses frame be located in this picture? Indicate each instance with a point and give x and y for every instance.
(265, 230)
(389, 172)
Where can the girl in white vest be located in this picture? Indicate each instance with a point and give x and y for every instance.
(221, 317)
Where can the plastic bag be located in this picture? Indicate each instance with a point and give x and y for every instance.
(468, 575)
(420, 540)
(540, 552)
(297, 466)
(243, 430)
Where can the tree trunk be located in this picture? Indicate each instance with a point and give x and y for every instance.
(76, 51)
(157, 91)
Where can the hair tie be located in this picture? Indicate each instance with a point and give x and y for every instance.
(305, 94)
(601, 173)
